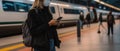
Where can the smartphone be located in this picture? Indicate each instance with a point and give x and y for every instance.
(58, 19)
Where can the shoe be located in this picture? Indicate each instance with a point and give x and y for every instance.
(99, 32)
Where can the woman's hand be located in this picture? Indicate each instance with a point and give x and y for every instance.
(52, 22)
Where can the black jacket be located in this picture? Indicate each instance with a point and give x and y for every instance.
(40, 30)
(88, 18)
(81, 17)
(110, 20)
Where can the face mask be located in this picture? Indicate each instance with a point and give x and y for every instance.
(46, 2)
(81, 13)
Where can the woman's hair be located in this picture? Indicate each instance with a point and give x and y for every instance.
(38, 4)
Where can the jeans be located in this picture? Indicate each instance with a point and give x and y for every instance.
(81, 24)
(52, 46)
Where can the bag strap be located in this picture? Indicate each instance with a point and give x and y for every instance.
(36, 10)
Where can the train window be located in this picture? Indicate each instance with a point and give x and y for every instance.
(52, 9)
(8, 6)
(29, 6)
(71, 11)
(104, 14)
(82, 11)
(21, 7)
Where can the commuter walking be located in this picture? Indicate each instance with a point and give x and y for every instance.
(100, 22)
(100, 19)
(42, 27)
(88, 18)
(81, 18)
(110, 22)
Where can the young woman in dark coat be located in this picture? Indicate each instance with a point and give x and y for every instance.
(42, 27)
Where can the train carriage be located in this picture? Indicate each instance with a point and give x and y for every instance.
(14, 12)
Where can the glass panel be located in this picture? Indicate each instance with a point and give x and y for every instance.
(8, 6)
(71, 11)
(21, 7)
(29, 6)
(52, 9)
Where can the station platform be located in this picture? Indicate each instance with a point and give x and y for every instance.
(90, 40)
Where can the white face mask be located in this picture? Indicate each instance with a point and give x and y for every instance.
(46, 2)
(81, 13)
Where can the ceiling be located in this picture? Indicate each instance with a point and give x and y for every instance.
(113, 2)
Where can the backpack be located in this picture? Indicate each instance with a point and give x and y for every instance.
(27, 38)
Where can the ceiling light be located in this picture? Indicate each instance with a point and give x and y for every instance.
(32, 0)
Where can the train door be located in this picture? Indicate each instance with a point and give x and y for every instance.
(55, 11)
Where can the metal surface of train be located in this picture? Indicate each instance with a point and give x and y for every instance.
(14, 12)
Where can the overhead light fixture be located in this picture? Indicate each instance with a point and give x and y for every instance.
(104, 7)
(106, 4)
(96, 0)
(60, 4)
(32, 0)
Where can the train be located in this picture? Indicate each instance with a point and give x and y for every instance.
(14, 12)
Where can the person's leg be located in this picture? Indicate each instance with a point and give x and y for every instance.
(112, 31)
(81, 24)
(89, 23)
(52, 46)
(108, 29)
(99, 26)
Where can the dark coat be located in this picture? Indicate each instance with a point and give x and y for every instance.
(81, 17)
(40, 30)
(110, 20)
(88, 18)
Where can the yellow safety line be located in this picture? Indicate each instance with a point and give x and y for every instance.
(12, 47)
(65, 34)
(22, 45)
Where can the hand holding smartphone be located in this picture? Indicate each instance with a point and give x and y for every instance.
(58, 19)
(55, 22)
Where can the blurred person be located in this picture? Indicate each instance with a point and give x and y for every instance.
(110, 22)
(88, 19)
(81, 17)
(100, 19)
(92, 15)
(43, 27)
(100, 22)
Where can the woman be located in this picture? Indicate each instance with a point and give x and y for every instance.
(42, 27)
(100, 22)
(81, 17)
